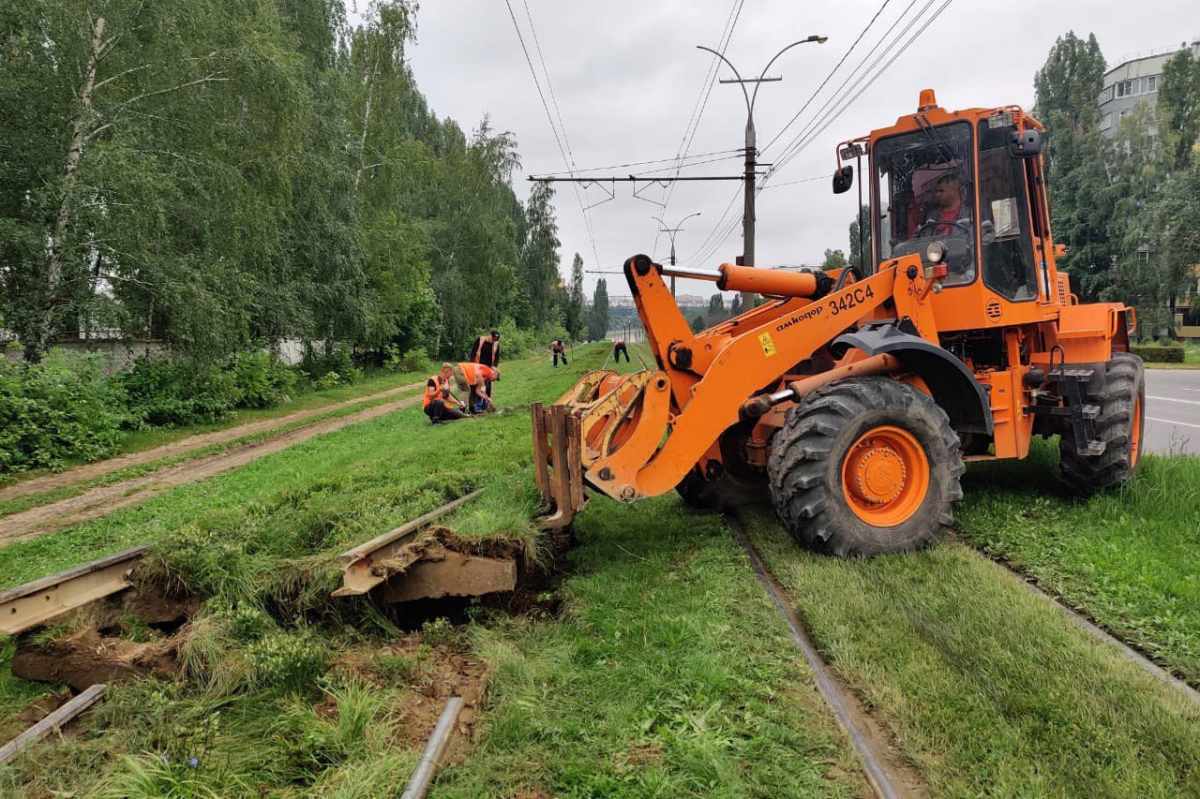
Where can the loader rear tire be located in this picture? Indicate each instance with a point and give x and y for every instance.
(1120, 424)
(864, 467)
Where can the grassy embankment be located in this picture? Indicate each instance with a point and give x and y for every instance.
(668, 668)
(140, 441)
(988, 688)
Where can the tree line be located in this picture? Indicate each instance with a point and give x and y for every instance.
(1127, 207)
(226, 174)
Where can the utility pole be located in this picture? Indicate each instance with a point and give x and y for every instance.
(751, 174)
(671, 232)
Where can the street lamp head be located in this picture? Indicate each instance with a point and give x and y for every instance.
(817, 39)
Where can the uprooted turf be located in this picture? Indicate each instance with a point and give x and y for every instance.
(988, 689)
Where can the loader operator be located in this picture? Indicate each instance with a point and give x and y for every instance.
(472, 379)
(947, 214)
(439, 402)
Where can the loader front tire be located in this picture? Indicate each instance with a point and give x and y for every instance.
(1119, 425)
(865, 466)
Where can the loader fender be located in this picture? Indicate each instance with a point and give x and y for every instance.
(952, 385)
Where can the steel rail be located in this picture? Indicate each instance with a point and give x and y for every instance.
(359, 565)
(55, 721)
(877, 776)
(47, 598)
(422, 776)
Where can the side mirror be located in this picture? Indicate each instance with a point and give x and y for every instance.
(1025, 143)
(843, 179)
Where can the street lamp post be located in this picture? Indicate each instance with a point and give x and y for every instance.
(752, 147)
(671, 231)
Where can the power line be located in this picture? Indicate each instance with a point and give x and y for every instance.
(832, 72)
(671, 160)
(841, 102)
(689, 132)
(568, 161)
(821, 123)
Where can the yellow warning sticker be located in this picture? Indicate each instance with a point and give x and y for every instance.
(768, 346)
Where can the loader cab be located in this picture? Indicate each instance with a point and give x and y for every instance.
(964, 189)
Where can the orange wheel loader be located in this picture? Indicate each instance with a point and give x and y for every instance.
(852, 400)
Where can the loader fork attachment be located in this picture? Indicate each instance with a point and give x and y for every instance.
(557, 464)
(590, 423)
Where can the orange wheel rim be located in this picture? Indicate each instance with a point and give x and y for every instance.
(1135, 437)
(885, 476)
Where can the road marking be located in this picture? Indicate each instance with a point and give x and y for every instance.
(1172, 399)
(1197, 390)
(1168, 421)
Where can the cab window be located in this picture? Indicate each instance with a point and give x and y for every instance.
(925, 192)
(1007, 248)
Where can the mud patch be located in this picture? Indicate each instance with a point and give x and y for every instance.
(430, 676)
(104, 646)
(85, 657)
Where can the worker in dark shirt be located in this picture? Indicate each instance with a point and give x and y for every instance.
(559, 350)
(619, 350)
(487, 352)
(439, 402)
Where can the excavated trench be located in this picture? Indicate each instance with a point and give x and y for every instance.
(141, 631)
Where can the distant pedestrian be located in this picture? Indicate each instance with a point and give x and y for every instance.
(439, 402)
(619, 350)
(472, 379)
(559, 350)
(487, 352)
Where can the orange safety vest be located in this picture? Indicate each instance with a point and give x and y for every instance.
(442, 393)
(618, 342)
(469, 370)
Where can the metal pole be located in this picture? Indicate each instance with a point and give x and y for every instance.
(748, 297)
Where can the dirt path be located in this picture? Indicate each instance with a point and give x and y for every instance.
(103, 500)
(182, 446)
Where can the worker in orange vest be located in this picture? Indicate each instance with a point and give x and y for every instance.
(472, 379)
(619, 350)
(439, 402)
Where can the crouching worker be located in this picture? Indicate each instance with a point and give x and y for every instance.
(472, 379)
(439, 402)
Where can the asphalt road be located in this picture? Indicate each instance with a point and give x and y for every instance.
(1172, 411)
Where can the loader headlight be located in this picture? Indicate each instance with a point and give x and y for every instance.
(935, 252)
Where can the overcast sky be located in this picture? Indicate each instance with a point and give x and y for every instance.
(627, 76)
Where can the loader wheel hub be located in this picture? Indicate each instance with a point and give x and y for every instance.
(885, 476)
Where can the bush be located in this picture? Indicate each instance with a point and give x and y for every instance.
(55, 412)
(339, 361)
(171, 393)
(262, 380)
(1155, 353)
(415, 361)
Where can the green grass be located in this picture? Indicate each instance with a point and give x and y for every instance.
(325, 494)
(670, 670)
(986, 687)
(37, 499)
(131, 441)
(1191, 359)
(671, 674)
(1127, 559)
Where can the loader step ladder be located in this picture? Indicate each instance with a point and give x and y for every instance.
(1082, 416)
